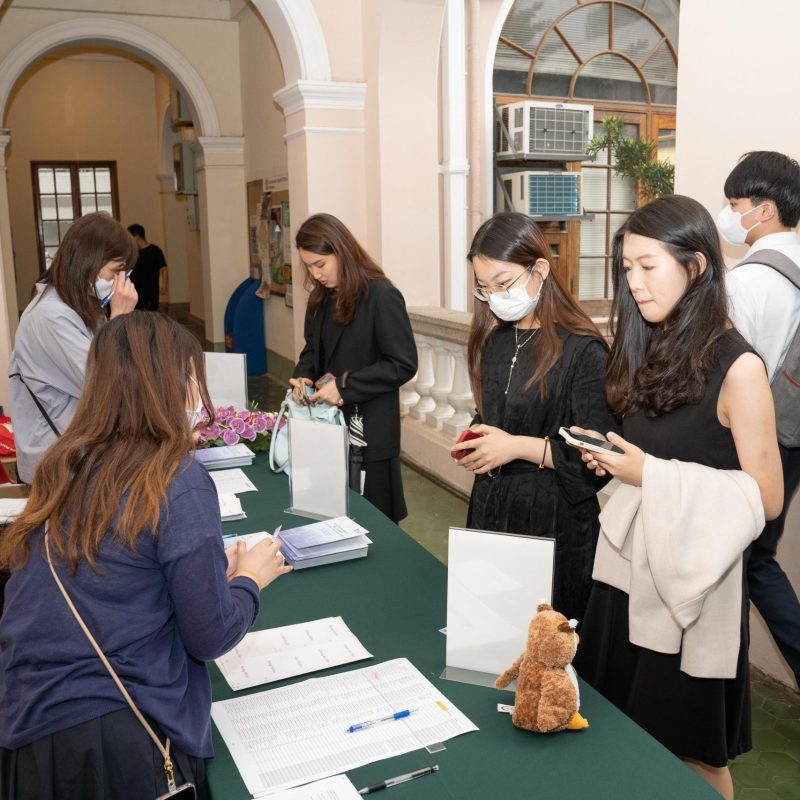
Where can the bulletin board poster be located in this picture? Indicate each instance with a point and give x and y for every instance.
(269, 238)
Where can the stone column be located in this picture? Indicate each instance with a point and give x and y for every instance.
(9, 313)
(443, 382)
(460, 396)
(173, 212)
(223, 226)
(425, 379)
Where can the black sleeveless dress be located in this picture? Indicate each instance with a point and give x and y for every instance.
(705, 719)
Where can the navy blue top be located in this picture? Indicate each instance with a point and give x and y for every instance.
(157, 614)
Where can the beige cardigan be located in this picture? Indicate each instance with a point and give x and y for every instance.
(675, 545)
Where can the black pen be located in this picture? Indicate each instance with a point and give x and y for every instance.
(409, 776)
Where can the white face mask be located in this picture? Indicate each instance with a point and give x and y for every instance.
(102, 288)
(730, 225)
(195, 416)
(516, 303)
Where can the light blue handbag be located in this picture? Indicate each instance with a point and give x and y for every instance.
(279, 445)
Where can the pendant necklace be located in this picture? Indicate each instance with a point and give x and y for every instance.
(519, 344)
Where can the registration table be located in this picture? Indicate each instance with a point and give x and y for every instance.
(394, 601)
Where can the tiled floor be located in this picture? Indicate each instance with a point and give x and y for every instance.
(771, 771)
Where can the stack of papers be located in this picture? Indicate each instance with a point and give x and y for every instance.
(326, 542)
(11, 508)
(230, 507)
(235, 455)
(294, 734)
(278, 653)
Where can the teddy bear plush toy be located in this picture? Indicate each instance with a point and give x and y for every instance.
(547, 686)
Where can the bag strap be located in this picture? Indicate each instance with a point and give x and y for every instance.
(168, 767)
(38, 404)
(776, 260)
(282, 411)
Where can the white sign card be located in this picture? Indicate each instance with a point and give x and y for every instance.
(318, 456)
(226, 378)
(495, 581)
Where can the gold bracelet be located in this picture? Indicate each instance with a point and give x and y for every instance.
(544, 452)
(246, 573)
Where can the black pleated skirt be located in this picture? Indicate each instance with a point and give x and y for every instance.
(383, 487)
(705, 719)
(108, 757)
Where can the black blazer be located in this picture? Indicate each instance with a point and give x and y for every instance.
(378, 349)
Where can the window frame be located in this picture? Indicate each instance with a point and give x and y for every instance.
(74, 168)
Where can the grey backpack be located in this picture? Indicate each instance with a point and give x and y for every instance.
(785, 384)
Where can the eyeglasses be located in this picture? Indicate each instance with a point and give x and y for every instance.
(483, 292)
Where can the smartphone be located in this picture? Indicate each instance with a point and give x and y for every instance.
(589, 442)
(465, 437)
(186, 791)
(325, 379)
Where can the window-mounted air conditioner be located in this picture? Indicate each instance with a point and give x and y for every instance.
(545, 131)
(544, 193)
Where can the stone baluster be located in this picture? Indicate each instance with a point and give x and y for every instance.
(442, 384)
(409, 396)
(460, 396)
(425, 379)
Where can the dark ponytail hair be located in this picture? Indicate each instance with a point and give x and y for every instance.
(657, 367)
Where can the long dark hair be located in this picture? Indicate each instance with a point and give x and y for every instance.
(326, 235)
(90, 242)
(657, 367)
(516, 239)
(129, 433)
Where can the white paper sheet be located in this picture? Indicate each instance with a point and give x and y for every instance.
(338, 787)
(288, 736)
(278, 653)
(230, 507)
(11, 508)
(232, 481)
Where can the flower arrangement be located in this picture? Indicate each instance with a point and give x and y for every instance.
(251, 427)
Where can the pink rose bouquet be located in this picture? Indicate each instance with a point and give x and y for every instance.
(253, 428)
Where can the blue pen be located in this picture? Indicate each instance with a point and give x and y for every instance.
(108, 297)
(361, 726)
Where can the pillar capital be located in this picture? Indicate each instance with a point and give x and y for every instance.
(324, 95)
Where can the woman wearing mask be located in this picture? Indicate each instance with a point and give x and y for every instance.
(537, 362)
(358, 335)
(88, 277)
(130, 523)
(701, 471)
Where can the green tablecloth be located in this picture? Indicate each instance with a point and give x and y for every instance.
(394, 601)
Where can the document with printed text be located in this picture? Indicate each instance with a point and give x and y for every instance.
(338, 787)
(288, 736)
(278, 653)
(232, 481)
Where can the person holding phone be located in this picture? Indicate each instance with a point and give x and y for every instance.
(87, 280)
(692, 393)
(537, 362)
(359, 350)
(131, 523)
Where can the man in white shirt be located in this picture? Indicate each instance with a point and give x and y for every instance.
(763, 191)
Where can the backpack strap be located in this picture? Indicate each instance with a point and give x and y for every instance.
(778, 261)
(38, 404)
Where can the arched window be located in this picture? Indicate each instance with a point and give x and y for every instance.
(620, 57)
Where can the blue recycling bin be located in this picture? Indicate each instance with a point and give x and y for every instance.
(244, 326)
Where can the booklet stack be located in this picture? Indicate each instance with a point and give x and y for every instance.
(235, 455)
(325, 542)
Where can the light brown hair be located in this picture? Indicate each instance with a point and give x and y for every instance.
(123, 446)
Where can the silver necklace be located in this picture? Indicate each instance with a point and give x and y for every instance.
(519, 344)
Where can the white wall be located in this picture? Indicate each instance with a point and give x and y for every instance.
(737, 91)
